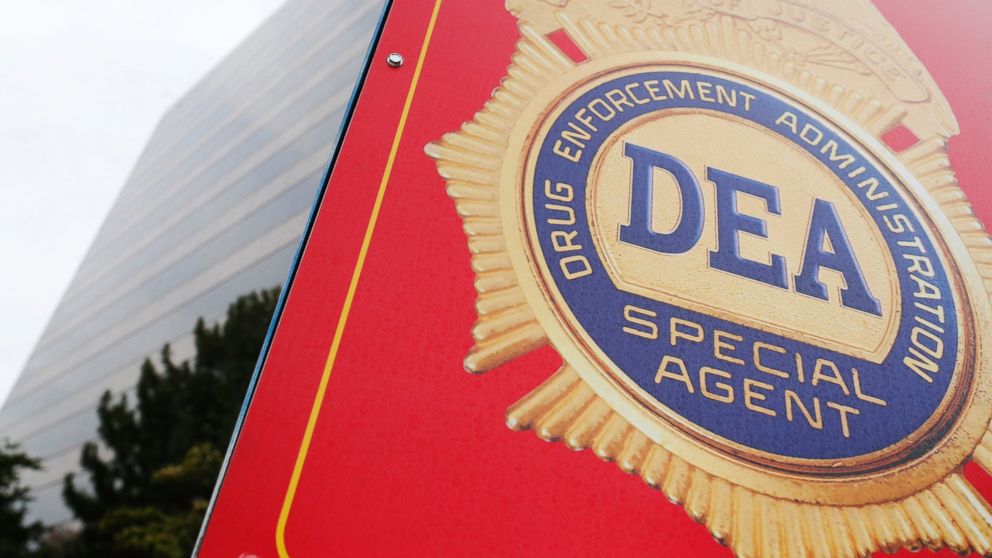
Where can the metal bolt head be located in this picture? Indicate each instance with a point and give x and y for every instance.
(395, 60)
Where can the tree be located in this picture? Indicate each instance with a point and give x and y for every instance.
(16, 535)
(154, 469)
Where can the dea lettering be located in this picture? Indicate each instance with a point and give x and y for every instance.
(763, 310)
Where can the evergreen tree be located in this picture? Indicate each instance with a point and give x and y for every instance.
(154, 469)
(16, 536)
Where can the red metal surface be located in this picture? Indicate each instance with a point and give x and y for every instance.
(409, 454)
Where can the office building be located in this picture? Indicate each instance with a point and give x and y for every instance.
(213, 209)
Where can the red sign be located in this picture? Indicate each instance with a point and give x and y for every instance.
(364, 435)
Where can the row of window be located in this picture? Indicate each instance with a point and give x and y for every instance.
(268, 271)
(335, 63)
(260, 61)
(236, 172)
(58, 346)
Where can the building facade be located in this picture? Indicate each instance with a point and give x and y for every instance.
(213, 209)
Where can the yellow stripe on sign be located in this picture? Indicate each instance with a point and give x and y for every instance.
(350, 297)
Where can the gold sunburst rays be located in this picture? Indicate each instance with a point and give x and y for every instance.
(565, 408)
(950, 514)
(983, 452)
(928, 160)
(469, 160)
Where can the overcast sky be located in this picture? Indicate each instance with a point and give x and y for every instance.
(82, 85)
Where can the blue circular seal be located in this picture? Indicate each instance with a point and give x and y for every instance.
(822, 404)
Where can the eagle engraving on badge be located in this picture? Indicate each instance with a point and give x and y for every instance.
(762, 309)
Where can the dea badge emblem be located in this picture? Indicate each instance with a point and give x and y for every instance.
(762, 309)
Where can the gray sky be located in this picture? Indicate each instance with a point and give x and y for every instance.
(82, 85)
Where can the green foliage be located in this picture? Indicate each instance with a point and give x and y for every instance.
(16, 536)
(153, 472)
